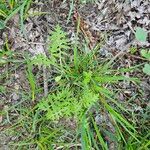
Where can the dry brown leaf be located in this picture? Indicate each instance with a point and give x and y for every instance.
(84, 28)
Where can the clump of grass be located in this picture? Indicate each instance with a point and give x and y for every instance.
(82, 82)
(82, 78)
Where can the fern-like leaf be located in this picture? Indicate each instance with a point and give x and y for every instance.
(40, 60)
(61, 104)
(89, 98)
(58, 41)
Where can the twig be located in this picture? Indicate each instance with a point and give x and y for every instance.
(73, 145)
(129, 25)
(45, 81)
(136, 57)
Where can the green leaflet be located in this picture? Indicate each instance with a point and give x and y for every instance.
(141, 34)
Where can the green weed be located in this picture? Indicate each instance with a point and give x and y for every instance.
(146, 54)
(81, 82)
(141, 35)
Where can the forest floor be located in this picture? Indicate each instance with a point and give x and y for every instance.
(75, 74)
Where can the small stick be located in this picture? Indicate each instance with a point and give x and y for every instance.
(45, 81)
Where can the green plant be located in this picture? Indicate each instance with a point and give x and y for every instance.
(146, 54)
(5, 53)
(133, 50)
(9, 8)
(141, 35)
(31, 78)
(84, 78)
(80, 84)
(87, 136)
